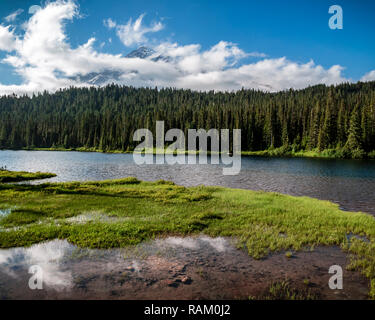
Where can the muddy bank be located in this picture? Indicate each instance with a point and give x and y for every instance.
(171, 268)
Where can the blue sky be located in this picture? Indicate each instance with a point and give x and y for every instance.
(295, 30)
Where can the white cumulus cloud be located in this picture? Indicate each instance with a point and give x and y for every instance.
(13, 16)
(133, 33)
(8, 41)
(45, 60)
(370, 76)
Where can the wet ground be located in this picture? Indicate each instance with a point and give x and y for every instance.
(170, 268)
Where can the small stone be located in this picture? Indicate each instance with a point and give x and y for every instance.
(171, 283)
(186, 280)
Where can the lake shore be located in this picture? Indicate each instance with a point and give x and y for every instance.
(17, 176)
(127, 212)
(271, 153)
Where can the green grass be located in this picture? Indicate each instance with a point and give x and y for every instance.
(81, 149)
(289, 152)
(127, 211)
(16, 176)
(284, 152)
(284, 291)
(289, 254)
(153, 151)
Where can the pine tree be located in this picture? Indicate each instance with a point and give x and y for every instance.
(285, 137)
(314, 127)
(354, 142)
(327, 132)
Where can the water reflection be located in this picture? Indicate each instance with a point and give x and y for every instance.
(49, 256)
(65, 266)
(4, 212)
(171, 268)
(219, 244)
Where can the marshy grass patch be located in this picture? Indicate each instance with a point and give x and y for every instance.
(283, 290)
(129, 211)
(17, 176)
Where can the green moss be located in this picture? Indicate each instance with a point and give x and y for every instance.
(129, 211)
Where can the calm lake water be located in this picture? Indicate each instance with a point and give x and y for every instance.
(350, 183)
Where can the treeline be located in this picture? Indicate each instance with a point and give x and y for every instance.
(340, 118)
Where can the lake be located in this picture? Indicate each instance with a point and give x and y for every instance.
(350, 183)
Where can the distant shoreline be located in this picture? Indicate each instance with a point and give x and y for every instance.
(274, 153)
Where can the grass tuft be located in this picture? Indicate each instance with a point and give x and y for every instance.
(17, 176)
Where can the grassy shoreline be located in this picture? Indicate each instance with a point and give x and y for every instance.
(271, 153)
(119, 213)
(324, 154)
(17, 176)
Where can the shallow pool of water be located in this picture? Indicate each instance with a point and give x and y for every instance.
(171, 268)
(4, 212)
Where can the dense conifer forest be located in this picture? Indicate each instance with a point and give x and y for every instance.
(337, 118)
